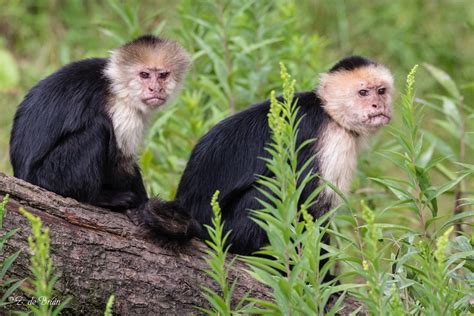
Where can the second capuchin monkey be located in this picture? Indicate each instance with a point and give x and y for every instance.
(352, 102)
(78, 131)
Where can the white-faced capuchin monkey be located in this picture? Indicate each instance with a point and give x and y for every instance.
(77, 131)
(352, 102)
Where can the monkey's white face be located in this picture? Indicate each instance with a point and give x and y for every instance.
(154, 86)
(145, 76)
(359, 100)
(372, 104)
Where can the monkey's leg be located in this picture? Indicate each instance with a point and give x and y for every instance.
(122, 190)
(117, 200)
(75, 166)
(246, 236)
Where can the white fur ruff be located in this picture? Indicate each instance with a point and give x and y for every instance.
(337, 153)
(129, 126)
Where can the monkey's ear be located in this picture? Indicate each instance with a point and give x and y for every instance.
(323, 85)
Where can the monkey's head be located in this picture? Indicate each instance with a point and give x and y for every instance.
(148, 70)
(357, 94)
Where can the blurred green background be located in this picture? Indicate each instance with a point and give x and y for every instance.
(236, 47)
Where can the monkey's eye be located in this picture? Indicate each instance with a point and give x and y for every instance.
(381, 91)
(363, 92)
(144, 75)
(164, 74)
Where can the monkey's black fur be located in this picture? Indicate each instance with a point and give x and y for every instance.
(63, 140)
(351, 63)
(228, 159)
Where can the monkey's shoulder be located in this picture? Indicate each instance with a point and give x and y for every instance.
(74, 91)
(69, 100)
(78, 76)
(251, 124)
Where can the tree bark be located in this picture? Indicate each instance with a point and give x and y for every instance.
(98, 253)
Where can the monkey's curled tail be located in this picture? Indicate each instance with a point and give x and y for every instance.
(166, 220)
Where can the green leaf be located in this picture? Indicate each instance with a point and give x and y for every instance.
(9, 71)
(445, 187)
(58, 309)
(455, 219)
(394, 186)
(11, 289)
(444, 80)
(425, 186)
(451, 111)
(7, 264)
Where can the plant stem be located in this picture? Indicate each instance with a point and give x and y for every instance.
(460, 188)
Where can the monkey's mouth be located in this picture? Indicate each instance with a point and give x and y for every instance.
(378, 119)
(154, 101)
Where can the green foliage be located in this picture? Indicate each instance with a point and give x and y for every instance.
(108, 307)
(404, 273)
(127, 15)
(3, 209)
(419, 272)
(41, 267)
(9, 72)
(218, 268)
(7, 286)
(349, 25)
(376, 278)
(396, 244)
(292, 265)
(235, 51)
(420, 194)
(245, 37)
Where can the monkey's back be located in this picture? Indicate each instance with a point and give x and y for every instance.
(67, 101)
(229, 158)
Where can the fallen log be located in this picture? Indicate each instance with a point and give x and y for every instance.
(98, 252)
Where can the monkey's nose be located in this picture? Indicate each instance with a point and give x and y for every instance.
(375, 106)
(150, 89)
